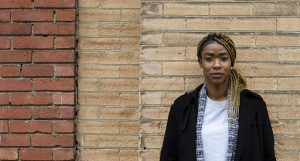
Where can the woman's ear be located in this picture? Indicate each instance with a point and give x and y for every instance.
(200, 65)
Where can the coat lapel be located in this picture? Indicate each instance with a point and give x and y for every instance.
(242, 130)
(240, 144)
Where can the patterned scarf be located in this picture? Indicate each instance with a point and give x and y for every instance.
(232, 127)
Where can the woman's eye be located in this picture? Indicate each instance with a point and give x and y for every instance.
(208, 59)
(224, 58)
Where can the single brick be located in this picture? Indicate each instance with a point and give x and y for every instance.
(131, 15)
(65, 42)
(31, 154)
(119, 85)
(63, 154)
(49, 140)
(30, 126)
(253, 24)
(149, 8)
(15, 29)
(64, 99)
(15, 85)
(277, 40)
(180, 68)
(120, 4)
(104, 98)
(99, 127)
(162, 83)
(88, 113)
(66, 126)
(8, 154)
(289, 84)
(54, 113)
(112, 154)
(4, 43)
(264, 9)
(33, 42)
(100, 71)
(118, 113)
(208, 24)
(36, 70)
(15, 112)
(130, 99)
(8, 140)
(64, 70)
(287, 9)
(89, 3)
(98, 30)
(32, 15)
(4, 98)
(163, 53)
(54, 84)
(54, 3)
(185, 9)
(10, 56)
(65, 15)
(31, 99)
(53, 56)
(126, 155)
(4, 15)
(3, 129)
(159, 24)
(99, 43)
(288, 24)
(227, 9)
(54, 28)
(10, 70)
(16, 4)
(99, 15)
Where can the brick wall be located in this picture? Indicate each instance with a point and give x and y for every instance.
(267, 37)
(127, 82)
(37, 80)
(109, 51)
(131, 68)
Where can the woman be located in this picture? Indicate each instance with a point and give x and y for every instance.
(220, 120)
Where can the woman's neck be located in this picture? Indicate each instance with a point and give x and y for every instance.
(217, 92)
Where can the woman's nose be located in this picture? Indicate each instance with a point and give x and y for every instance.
(216, 63)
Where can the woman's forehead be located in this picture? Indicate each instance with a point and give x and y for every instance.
(213, 46)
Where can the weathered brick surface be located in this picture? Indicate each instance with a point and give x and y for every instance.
(65, 15)
(108, 79)
(136, 57)
(30, 154)
(32, 15)
(15, 29)
(267, 38)
(8, 154)
(5, 42)
(37, 79)
(15, 113)
(16, 3)
(62, 154)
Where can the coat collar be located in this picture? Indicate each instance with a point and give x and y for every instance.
(193, 95)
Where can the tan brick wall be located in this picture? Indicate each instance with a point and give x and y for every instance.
(109, 59)
(137, 56)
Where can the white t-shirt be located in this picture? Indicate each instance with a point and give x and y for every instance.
(215, 130)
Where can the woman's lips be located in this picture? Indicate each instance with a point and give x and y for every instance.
(216, 75)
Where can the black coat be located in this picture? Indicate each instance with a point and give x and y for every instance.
(255, 140)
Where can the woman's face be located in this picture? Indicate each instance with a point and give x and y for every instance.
(216, 64)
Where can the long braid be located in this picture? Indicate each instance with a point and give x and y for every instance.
(237, 81)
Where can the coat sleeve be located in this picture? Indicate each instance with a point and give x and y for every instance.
(267, 135)
(169, 151)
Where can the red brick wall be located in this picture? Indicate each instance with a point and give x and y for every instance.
(37, 79)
